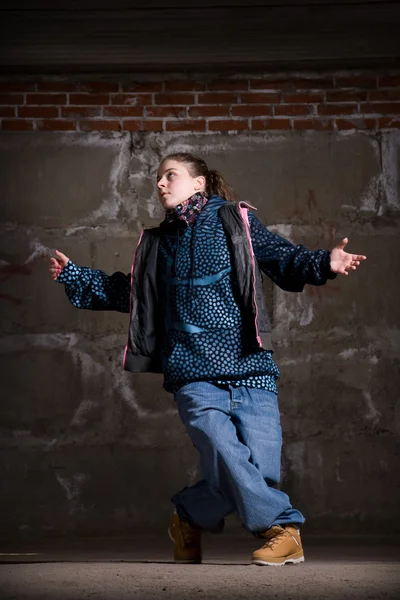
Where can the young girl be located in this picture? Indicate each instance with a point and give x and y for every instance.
(197, 315)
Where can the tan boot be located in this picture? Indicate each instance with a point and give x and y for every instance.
(187, 540)
(283, 545)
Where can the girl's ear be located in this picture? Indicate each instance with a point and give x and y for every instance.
(200, 183)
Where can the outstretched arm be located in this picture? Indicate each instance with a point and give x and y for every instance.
(91, 288)
(292, 266)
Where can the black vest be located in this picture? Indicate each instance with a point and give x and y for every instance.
(143, 352)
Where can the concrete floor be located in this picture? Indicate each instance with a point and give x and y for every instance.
(142, 568)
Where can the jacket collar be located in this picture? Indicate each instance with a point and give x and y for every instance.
(212, 204)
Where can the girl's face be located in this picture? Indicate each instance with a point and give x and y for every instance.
(175, 184)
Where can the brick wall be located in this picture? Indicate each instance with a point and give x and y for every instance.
(335, 101)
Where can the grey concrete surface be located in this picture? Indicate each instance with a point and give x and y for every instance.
(142, 567)
(89, 449)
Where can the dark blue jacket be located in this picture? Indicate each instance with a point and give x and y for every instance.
(253, 249)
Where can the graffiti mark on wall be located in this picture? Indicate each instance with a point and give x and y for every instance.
(309, 214)
(7, 271)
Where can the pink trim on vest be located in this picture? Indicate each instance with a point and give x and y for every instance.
(243, 210)
(130, 295)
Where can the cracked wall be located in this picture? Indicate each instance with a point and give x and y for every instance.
(91, 449)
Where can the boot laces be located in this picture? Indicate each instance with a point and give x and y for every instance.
(275, 538)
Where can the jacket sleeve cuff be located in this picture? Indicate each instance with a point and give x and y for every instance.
(326, 266)
(69, 273)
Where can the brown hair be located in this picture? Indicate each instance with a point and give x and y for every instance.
(215, 182)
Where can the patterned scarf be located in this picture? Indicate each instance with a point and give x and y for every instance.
(188, 210)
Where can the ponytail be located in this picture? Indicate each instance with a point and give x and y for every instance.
(216, 184)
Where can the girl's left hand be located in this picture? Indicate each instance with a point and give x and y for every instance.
(342, 262)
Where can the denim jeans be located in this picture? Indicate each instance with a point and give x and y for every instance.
(238, 434)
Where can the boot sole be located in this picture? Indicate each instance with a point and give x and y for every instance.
(180, 561)
(290, 560)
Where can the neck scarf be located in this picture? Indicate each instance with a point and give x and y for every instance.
(188, 210)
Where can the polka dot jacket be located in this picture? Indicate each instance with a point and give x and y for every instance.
(202, 319)
(202, 322)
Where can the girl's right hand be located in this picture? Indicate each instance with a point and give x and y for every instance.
(57, 264)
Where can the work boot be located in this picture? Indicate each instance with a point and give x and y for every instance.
(187, 539)
(283, 545)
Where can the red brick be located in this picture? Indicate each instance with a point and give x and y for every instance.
(388, 122)
(174, 98)
(385, 108)
(140, 125)
(265, 124)
(357, 123)
(313, 124)
(227, 125)
(132, 99)
(179, 112)
(292, 84)
(49, 99)
(38, 112)
(57, 86)
(251, 110)
(56, 125)
(217, 98)
(346, 96)
(188, 125)
(357, 82)
(302, 98)
(264, 84)
(17, 86)
(257, 98)
(209, 111)
(17, 125)
(389, 81)
(89, 99)
(382, 95)
(313, 84)
(142, 86)
(7, 111)
(8, 99)
(184, 86)
(98, 87)
(337, 109)
(292, 110)
(99, 125)
(228, 84)
(123, 111)
(80, 111)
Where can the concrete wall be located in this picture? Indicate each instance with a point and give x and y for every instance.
(89, 449)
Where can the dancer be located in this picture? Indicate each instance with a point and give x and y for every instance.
(197, 314)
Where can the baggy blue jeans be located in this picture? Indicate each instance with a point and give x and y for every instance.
(238, 434)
